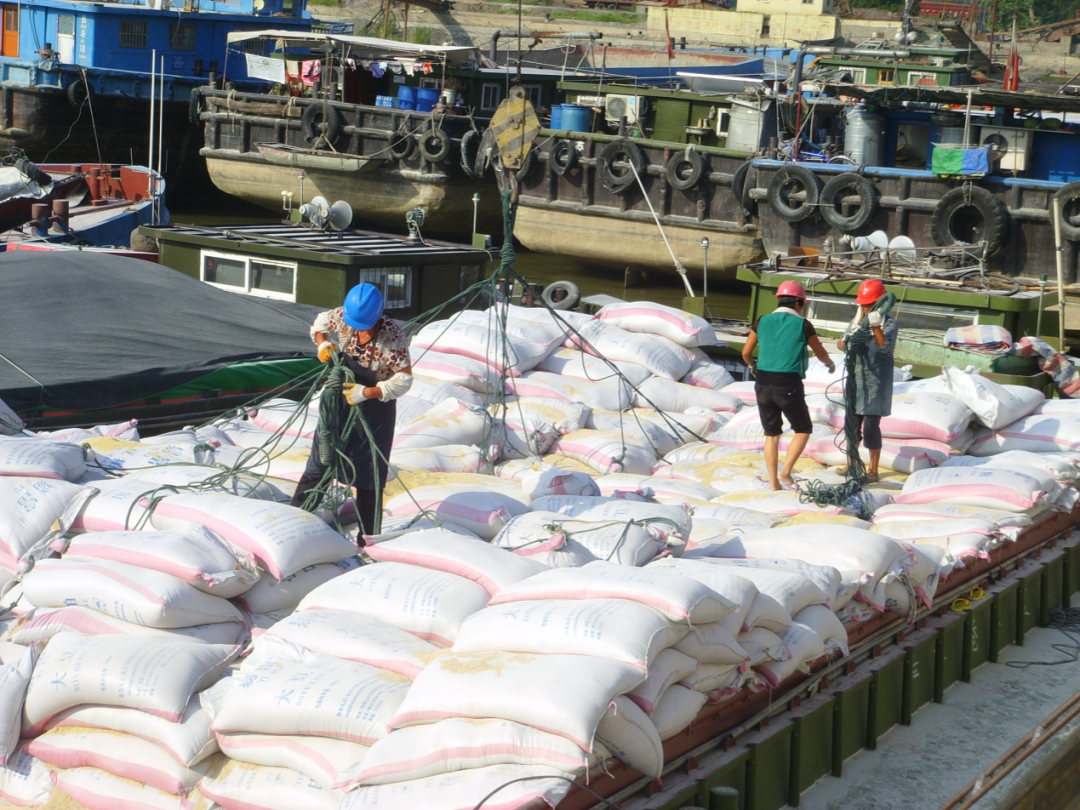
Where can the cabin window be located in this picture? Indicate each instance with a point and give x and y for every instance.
(532, 93)
(395, 283)
(921, 79)
(833, 314)
(490, 97)
(886, 76)
(261, 277)
(181, 37)
(132, 34)
(855, 75)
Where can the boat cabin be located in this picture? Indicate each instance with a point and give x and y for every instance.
(924, 67)
(293, 262)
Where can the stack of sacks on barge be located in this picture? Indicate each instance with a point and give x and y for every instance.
(576, 501)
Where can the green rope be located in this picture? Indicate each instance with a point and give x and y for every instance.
(851, 493)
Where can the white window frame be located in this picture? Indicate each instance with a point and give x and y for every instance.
(534, 93)
(839, 326)
(247, 288)
(858, 75)
(484, 88)
(914, 76)
(380, 276)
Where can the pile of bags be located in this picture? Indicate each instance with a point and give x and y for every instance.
(577, 501)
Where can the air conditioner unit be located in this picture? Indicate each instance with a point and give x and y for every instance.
(615, 107)
(1012, 147)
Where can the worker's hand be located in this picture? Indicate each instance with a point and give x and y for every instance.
(326, 351)
(840, 343)
(356, 394)
(875, 320)
(832, 367)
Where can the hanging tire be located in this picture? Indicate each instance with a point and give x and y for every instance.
(684, 169)
(569, 301)
(470, 150)
(196, 105)
(778, 197)
(486, 154)
(28, 169)
(434, 146)
(563, 157)
(970, 214)
(618, 151)
(843, 185)
(402, 144)
(320, 122)
(1069, 198)
(739, 187)
(78, 92)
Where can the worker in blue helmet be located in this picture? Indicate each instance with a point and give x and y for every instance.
(377, 352)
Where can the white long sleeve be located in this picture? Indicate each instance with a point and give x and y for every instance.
(396, 387)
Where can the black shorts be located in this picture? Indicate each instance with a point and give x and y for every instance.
(782, 396)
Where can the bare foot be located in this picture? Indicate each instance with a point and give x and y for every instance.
(786, 483)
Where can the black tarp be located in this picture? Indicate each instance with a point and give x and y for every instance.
(81, 331)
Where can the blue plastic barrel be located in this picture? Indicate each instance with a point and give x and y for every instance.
(406, 97)
(426, 99)
(575, 118)
(556, 116)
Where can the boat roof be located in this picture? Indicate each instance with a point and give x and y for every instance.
(127, 329)
(299, 38)
(979, 96)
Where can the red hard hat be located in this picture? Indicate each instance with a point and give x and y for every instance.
(792, 288)
(870, 291)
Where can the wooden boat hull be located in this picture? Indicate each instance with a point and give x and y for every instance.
(379, 198)
(618, 243)
(236, 125)
(308, 159)
(575, 215)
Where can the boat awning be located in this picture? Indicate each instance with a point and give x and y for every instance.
(385, 46)
(980, 95)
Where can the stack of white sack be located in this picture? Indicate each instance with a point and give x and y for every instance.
(744, 431)
(608, 629)
(137, 737)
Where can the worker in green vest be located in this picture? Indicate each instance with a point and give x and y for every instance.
(781, 338)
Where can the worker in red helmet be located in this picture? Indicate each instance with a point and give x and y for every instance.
(873, 371)
(781, 338)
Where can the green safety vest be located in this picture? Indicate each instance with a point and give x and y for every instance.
(781, 344)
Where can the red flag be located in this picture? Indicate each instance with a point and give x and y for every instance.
(667, 33)
(1012, 70)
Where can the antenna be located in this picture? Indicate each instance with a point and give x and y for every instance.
(341, 215)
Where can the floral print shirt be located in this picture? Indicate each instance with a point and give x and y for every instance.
(386, 355)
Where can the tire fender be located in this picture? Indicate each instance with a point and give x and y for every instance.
(434, 146)
(794, 175)
(320, 122)
(843, 184)
(1069, 197)
(573, 295)
(195, 105)
(994, 214)
(78, 92)
(402, 144)
(563, 157)
(611, 154)
(470, 151)
(684, 170)
(739, 187)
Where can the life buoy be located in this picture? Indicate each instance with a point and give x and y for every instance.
(28, 169)
(1069, 199)
(840, 186)
(952, 220)
(78, 92)
(618, 151)
(402, 143)
(569, 301)
(563, 157)
(740, 188)
(684, 169)
(434, 146)
(470, 151)
(195, 105)
(779, 190)
(320, 122)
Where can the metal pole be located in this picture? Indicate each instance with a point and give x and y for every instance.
(1058, 250)
(160, 144)
(704, 273)
(475, 209)
(153, 121)
(993, 26)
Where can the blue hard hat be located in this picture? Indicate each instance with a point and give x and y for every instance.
(363, 306)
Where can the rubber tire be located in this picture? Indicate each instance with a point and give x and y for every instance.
(443, 143)
(994, 213)
(738, 186)
(195, 105)
(320, 121)
(402, 144)
(1068, 194)
(609, 154)
(78, 92)
(28, 169)
(526, 165)
(995, 283)
(557, 151)
(470, 151)
(572, 299)
(867, 201)
(688, 157)
(484, 154)
(804, 177)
